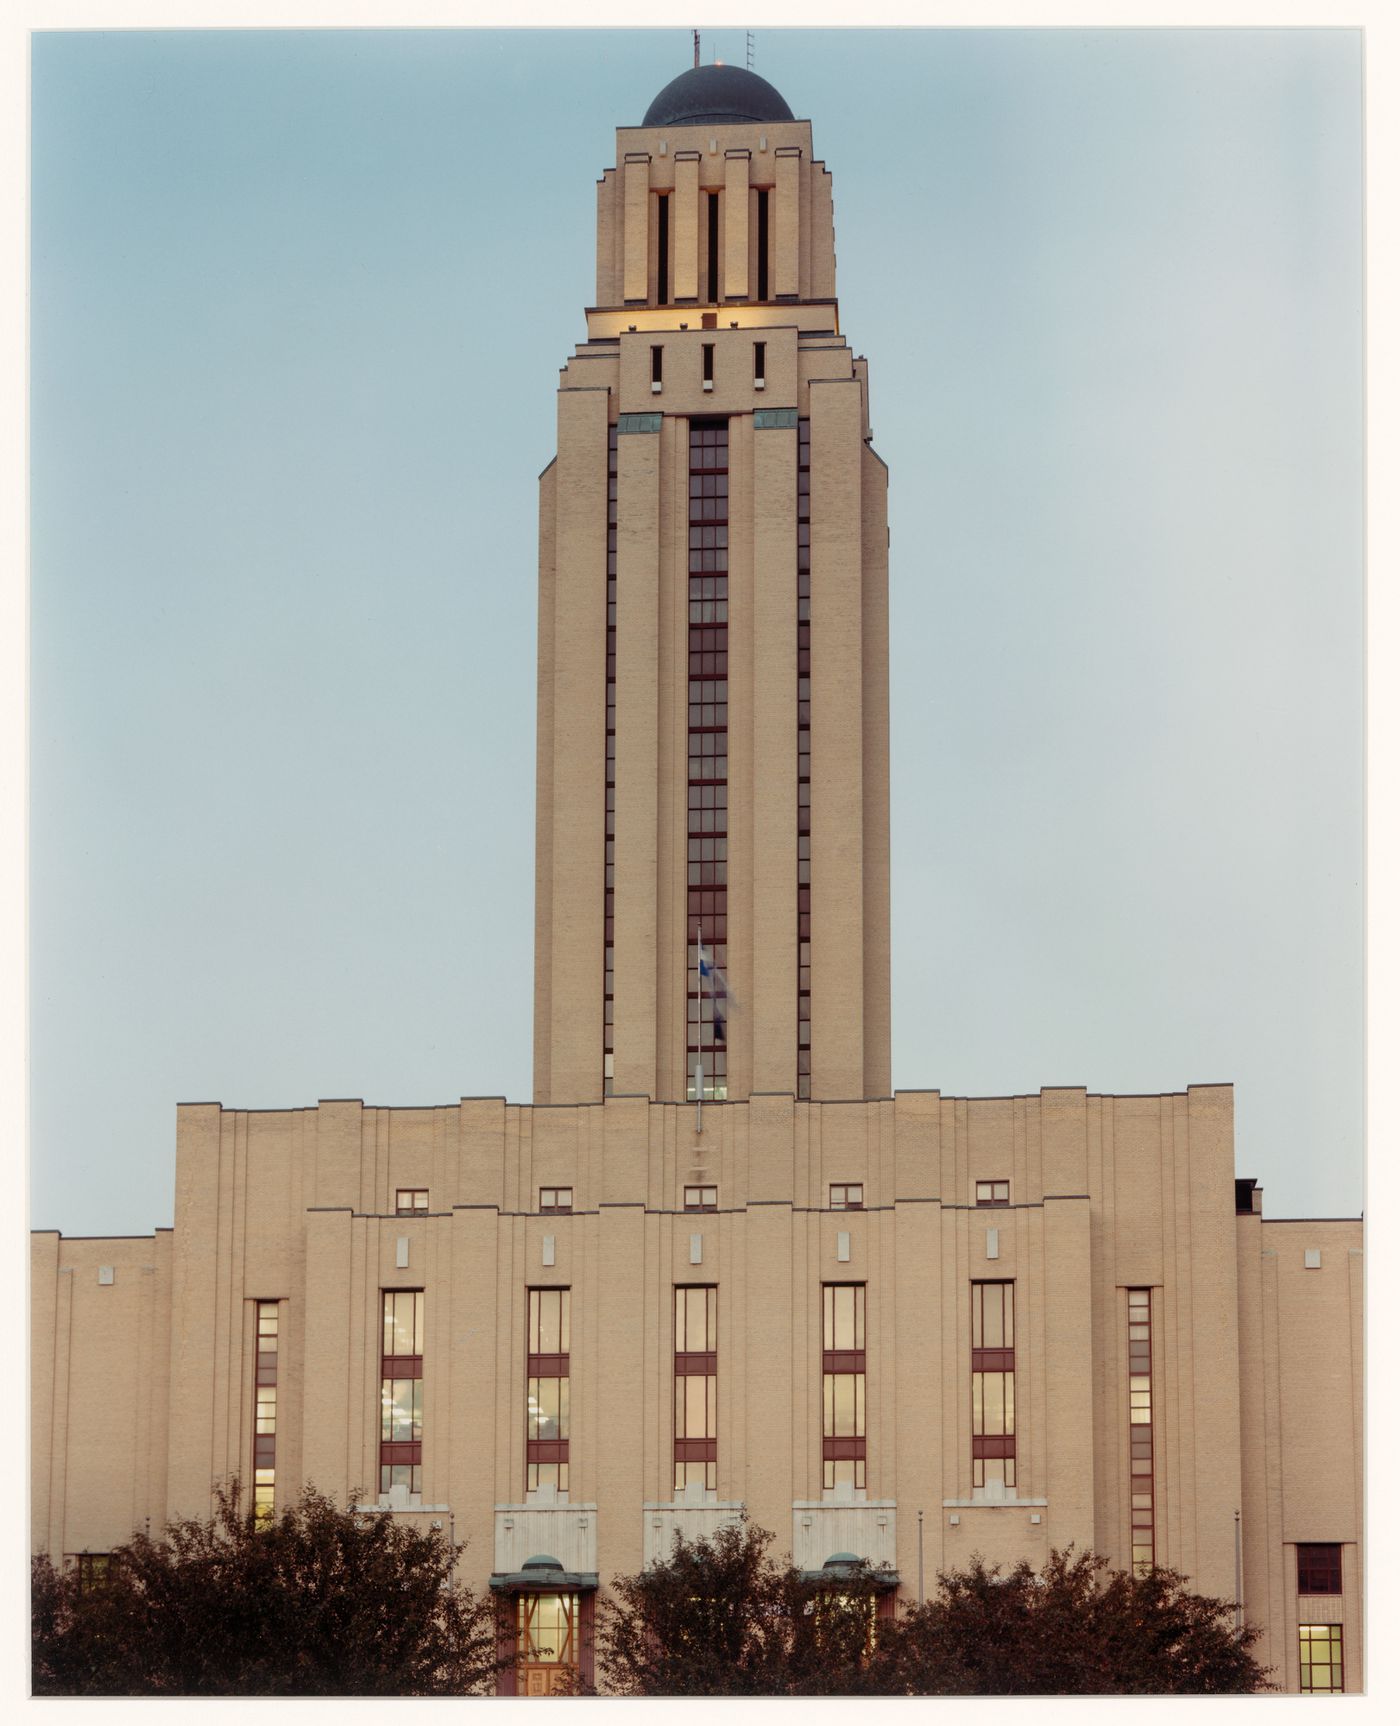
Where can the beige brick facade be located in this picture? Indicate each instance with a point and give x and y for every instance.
(144, 1352)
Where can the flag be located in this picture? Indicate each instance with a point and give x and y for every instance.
(719, 989)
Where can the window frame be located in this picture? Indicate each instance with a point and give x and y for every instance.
(1334, 1665)
(1319, 1559)
(558, 1204)
(993, 1198)
(690, 1203)
(412, 1208)
(846, 1202)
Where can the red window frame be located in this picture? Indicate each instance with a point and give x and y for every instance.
(397, 1367)
(696, 1314)
(994, 1362)
(1319, 1567)
(547, 1365)
(843, 1357)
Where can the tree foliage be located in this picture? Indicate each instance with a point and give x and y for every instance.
(316, 1602)
(721, 1618)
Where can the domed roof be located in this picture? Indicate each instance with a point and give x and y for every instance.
(716, 95)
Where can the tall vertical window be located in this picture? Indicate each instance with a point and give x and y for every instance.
(663, 248)
(804, 758)
(760, 350)
(707, 363)
(843, 1385)
(763, 245)
(1140, 1429)
(696, 1434)
(993, 1384)
(401, 1393)
(547, 1390)
(265, 1411)
(1320, 1658)
(707, 844)
(712, 246)
(610, 761)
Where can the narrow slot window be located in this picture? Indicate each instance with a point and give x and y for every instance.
(707, 364)
(994, 1386)
(401, 1395)
(265, 1410)
(759, 357)
(762, 247)
(663, 248)
(712, 247)
(696, 1440)
(843, 1385)
(547, 1390)
(1140, 1430)
(656, 368)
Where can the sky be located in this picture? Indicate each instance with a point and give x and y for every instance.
(298, 305)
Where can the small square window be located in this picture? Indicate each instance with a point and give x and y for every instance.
(994, 1192)
(1319, 1567)
(702, 1198)
(849, 1196)
(556, 1199)
(411, 1201)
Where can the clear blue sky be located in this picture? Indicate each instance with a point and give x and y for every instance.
(293, 363)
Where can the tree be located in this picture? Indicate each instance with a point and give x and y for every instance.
(1075, 1628)
(315, 1602)
(720, 1617)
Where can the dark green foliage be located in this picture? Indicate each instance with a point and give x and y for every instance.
(317, 1602)
(722, 1618)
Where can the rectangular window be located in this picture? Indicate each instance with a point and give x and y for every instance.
(656, 366)
(663, 248)
(762, 247)
(849, 1197)
(702, 1198)
(1319, 1658)
(843, 1385)
(1140, 1426)
(994, 1192)
(712, 238)
(411, 1201)
(994, 1385)
(707, 361)
(556, 1199)
(547, 1390)
(265, 1410)
(759, 360)
(1319, 1568)
(695, 1345)
(401, 1394)
(93, 1568)
(546, 1643)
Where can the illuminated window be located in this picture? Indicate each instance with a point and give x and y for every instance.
(696, 1433)
(411, 1201)
(701, 1198)
(994, 1385)
(546, 1643)
(1319, 1568)
(843, 1385)
(401, 1394)
(1140, 1429)
(849, 1197)
(556, 1198)
(265, 1410)
(994, 1192)
(1319, 1658)
(547, 1390)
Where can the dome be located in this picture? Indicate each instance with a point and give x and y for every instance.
(716, 96)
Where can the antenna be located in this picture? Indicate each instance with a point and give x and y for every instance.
(696, 35)
(748, 48)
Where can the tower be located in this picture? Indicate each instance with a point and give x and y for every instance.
(713, 750)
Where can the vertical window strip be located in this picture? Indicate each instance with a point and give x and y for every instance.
(712, 247)
(763, 245)
(1140, 1427)
(265, 1411)
(843, 1385)
(707, 791)
(804, 758)
(547, 1390)
(994, 1385)
(696, 1438)
(401, 1394)
(663, 248)
(610, 767)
